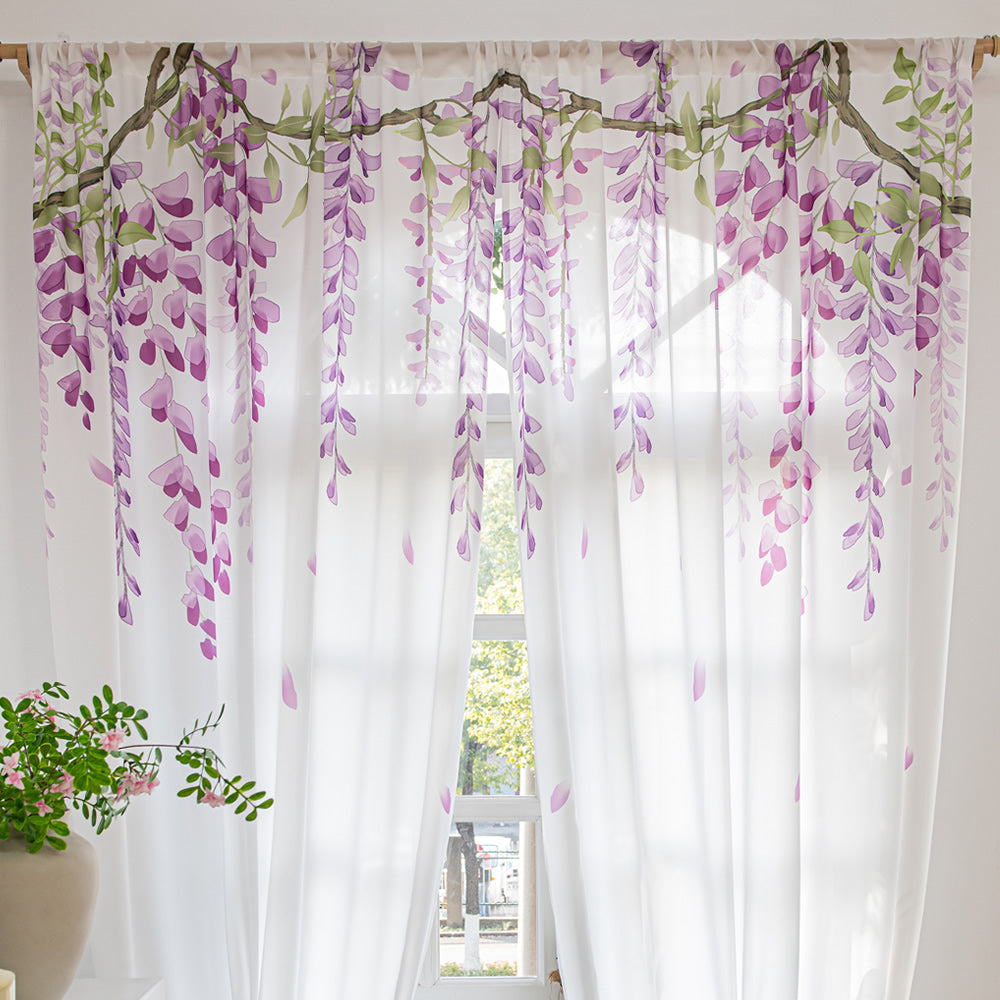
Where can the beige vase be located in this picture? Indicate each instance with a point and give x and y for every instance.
(46, 910)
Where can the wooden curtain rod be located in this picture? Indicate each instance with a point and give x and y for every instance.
(20, 53)
(988, 46)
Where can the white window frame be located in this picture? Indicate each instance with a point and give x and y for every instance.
(497, 808)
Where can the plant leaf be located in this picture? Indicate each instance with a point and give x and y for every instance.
(301, 200)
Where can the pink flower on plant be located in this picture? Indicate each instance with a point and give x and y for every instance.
(113, 740)
(212, 799)
(137, 784)
(15, 778)
(145, 784)
(43, 807)
(10, 763)
(64, 786)
(35, 695)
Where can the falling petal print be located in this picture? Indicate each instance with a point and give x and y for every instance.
(907, 759)
(583, 544)
(559, 796)
(408, 548)
(399, 79)
(270, 76)
(906, 477)
(100, 470)
(446, 800)
(288, 695)
(699, 679)
(311, 563)
(798, 780)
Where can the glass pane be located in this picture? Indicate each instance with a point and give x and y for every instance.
(499, 590)
(488, 904)
(498, 751)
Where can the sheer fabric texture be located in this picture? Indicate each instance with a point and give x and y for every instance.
(736, 287)
(739, 429)
(252, 491)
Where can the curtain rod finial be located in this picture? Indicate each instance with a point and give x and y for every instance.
(20, 54)
(988, 46)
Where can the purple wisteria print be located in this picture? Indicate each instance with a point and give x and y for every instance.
(168, 223)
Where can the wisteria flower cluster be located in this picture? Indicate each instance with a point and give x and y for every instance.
(145, 257)
(53, 759)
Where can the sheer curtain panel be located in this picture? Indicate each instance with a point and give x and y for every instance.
(257, 342)
(737, 297)
(736, 291)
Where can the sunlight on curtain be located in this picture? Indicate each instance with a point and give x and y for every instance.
(263, 499)
(737, 310)
(736, 291)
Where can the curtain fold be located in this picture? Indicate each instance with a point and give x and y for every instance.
(736, 292)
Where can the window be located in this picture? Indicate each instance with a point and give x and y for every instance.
(494, 937)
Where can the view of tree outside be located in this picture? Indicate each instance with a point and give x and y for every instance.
(488, 882)
(499, 589)
(497, 740)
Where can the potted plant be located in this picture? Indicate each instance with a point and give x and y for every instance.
(96, 760)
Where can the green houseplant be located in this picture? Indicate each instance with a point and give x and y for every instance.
(97, 760)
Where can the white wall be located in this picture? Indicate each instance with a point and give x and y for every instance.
(440, 20)
(960, 954)
(25, 641)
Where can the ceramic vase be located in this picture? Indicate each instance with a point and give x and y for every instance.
(46, 910)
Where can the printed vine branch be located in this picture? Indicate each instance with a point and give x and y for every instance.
(155, 98)
(838, 93)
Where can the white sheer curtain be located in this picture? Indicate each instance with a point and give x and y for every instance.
(737, 339)
(736, 289)
(253, 493)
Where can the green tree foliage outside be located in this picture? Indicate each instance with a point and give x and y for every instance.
(497, 738)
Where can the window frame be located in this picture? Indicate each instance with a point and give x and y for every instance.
(498, 444)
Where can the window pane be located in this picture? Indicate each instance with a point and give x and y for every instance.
(497, 746)
(493, 866)
(499, 567)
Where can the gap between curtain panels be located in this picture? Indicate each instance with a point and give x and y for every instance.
(986, 46)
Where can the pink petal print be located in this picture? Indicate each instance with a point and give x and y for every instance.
(311, 563)
(446, 800)
(99, 469)
(288, 695)
(797, 782)
(906, 477)
(736, 68)
(699, 679)
(270, 76)
(559, 796)
(399, 79)
(408, 548)
(583, 543)
(907, 759)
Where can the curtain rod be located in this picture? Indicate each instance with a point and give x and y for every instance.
(988, 46)
(20, 53)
